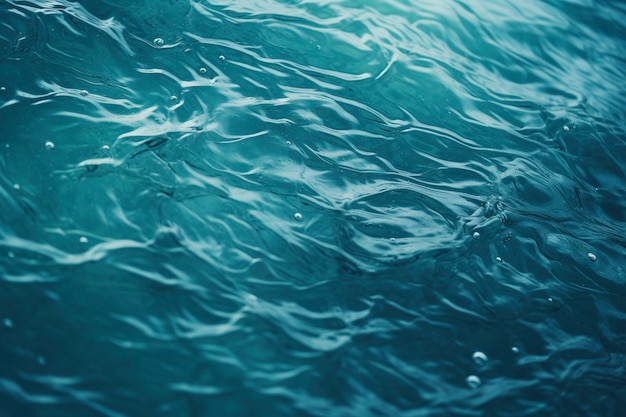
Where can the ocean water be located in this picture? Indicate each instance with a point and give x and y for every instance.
(312, 208)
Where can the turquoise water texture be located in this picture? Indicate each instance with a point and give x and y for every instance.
(312, 208)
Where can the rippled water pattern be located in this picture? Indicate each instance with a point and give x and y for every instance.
(312, 208)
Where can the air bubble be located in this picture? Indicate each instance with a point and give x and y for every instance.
(202, 70)
(8, 322)
(566, 128)
(158, 42)
(515, 350)
(83, 239)
(476, 235)
(49, 145)
(473, 381)
(592, 256)
(222, 58)
(498, 259)
(173, 98)
(288, 142)
(105, 147)
(479, 358)
(16, 186)
(84, 93)
(297, 216)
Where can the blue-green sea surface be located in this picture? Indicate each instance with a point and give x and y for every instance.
(325, 208)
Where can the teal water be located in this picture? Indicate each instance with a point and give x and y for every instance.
(312, 208)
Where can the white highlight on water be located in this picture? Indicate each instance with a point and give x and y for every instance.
(479, 358)
(473, 381)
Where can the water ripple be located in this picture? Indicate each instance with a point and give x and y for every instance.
(312, 208)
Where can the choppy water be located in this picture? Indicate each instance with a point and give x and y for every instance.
(312, 208)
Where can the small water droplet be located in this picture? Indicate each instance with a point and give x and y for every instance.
(479, 358)
(158, 42)
(84, 93)
(49, 145)
(592, 256)
(8, 322)
(473, 381)
(476, 235)
(222, 57)
(202, 70)
(297, 216)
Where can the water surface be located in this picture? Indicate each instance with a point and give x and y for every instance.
(312, 208)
